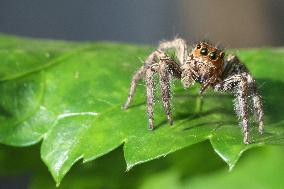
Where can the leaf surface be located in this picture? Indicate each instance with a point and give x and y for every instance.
(69, 95)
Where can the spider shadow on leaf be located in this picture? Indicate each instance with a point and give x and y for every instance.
(5, 113)
(198, 115)
(216, 103)
(186, 107)
(272, 92)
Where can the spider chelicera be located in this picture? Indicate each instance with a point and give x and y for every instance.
(205, 64)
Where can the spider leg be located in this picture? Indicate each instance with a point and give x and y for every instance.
(150, 96)
(135, 79)
(160, 62)
(179, 45)
(165, 90)
(241, 93)
(257, 104)
(167, 67)
(138, 75)
(235, 66)
(205, 85)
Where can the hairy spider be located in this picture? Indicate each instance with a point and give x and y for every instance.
(205, 64)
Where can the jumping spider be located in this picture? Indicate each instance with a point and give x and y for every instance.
(205, 64)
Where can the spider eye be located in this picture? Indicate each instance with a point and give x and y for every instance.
(198, 46)
(204, 51)
(213, 55)
(222, 55)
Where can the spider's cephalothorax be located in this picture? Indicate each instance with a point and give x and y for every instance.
(206, 65)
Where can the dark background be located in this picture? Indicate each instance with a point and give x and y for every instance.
(242, 23)
(239, 23)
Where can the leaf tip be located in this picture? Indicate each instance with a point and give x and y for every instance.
(57, 184)
(231, 166)
(57, 179)
(129, 166)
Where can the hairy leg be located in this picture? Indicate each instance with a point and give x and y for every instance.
(233, 64)
(135, 79)
(139, 74)
(180, 47)
(150, 96)
(181, 51)
(185, 72)
(257, 104)
(241, 93)
(165, 90)
(259, 112)
(158, 61)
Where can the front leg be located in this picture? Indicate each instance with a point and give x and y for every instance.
(165, 89)
(165, 67)
(157, 62)
(241, 93)
(256, 101)
(149, 62)
(180, 48)
(150, 96)
(135, 79)
(234, 66)
(258, 108)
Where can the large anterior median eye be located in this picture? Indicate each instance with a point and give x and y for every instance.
(213, 55)
(204, 51)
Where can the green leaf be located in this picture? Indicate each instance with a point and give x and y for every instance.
(99, 173)
(69, 95)
(260, 168)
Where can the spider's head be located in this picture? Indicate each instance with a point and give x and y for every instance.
(208, 61)
(206, 53)
(205, 64)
